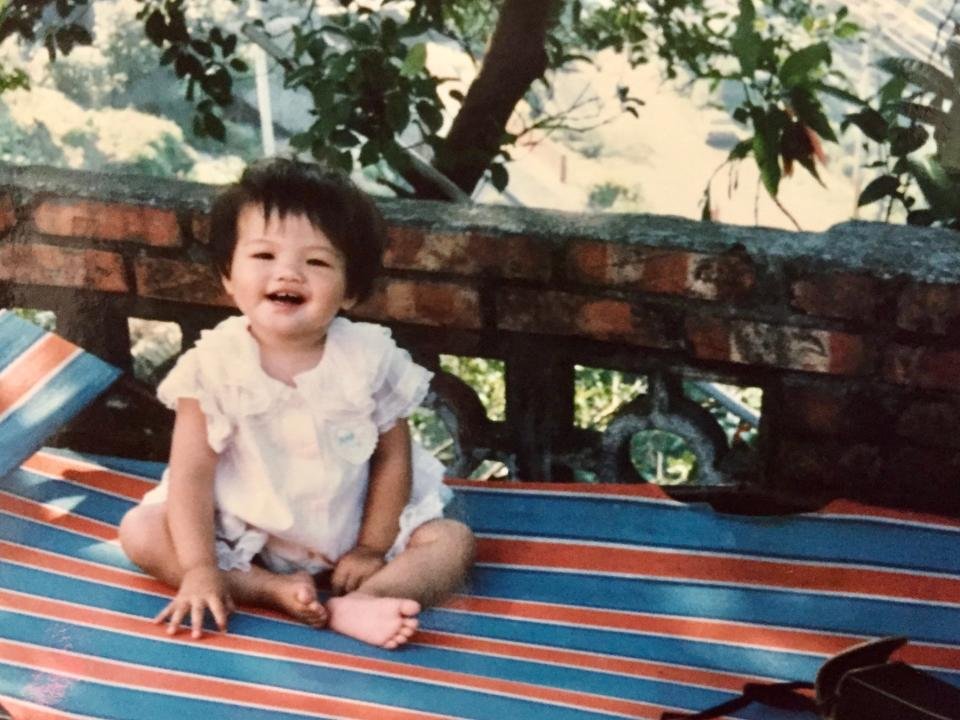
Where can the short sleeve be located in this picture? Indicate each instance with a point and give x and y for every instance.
(186, 380)
(400, 386)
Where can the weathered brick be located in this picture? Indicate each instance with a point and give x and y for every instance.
(849, 296)
(929, 308)
(927, 368)
(200, 227)
(560, 313)
(8, 215)
(180, 281)
(819, 467)
(835, 409)
(411, 248)
(443, 304)
(107, 221)
(794, 348)
(726, 276)
(930, 422)
(39, 264)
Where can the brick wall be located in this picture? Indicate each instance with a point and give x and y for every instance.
(853, 334)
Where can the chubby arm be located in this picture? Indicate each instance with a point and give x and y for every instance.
(190, 516)
(391, 478)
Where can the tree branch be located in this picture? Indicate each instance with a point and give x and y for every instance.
(516, 57)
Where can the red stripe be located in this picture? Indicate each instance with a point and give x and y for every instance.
(37, 361)
(138, 677)
(22, 710)
(258, 646)
(722, 631)
(88, 475)
(686, 567)
(635, 490)
(56, 516)
(855, 509)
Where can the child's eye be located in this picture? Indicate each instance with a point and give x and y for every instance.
(317, 262)
(263, 256)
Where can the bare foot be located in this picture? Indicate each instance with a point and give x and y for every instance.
(386, 622)
(296, 595)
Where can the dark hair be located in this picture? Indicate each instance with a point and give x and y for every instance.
(327, 197)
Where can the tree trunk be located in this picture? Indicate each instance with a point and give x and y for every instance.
(515, 58)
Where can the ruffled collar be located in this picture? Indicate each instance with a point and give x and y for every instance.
(231, 355)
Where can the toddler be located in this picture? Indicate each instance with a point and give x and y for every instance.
(291, 455)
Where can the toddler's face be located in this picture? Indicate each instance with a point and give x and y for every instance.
(286, 277)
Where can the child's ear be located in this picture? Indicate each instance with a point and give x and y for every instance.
(347, 304)
(227, 285)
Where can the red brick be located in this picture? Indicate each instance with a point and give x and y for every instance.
(180, 281)
(107, 221)
(793, 348)
(930, 422)
(8, 215)
(443, 304)
(200, 227)
(672, 272)
(411, 248)
(929, 308)
(843, 295)
(559, 313)
(925, 368)
(39, 264)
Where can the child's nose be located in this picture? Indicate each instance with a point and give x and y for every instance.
(288, 271)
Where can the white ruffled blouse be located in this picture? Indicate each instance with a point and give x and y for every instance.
(294, 461)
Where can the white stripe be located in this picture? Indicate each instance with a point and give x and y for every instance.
(39, 385)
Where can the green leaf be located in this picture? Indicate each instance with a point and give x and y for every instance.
(847, 30)
(415, 60)
(301, 141)
(940, 193)
(905, 140)
(238, 65)
(369, 153)
(872, 123)
(879, 188)
(431, 115)
(202, 47)
(499, 177)
(397, 111)
(741, 149)
(342, 137)
(766, 146)
(810, 112)
(214, 127)
(797, 68)
(745, 42)
(924, 75)
(839, 93)
(156, 28)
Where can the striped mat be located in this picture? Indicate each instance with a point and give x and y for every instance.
(586, 602)
(44, 382)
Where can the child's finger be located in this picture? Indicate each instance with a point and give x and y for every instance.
(196, 618)
(176, 617)
(163, 614)
(219, 612)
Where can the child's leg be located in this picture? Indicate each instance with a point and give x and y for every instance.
(146, 540)
(382, 611)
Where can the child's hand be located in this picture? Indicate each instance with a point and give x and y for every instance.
(201, 588)
(354, 568)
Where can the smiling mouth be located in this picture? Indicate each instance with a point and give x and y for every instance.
(285, 298)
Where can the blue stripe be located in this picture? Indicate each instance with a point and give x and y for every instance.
(105, 701)
(698, 527)
(93, 504)
(197, 659)
(23, 431)
(64, 542)
(16, 335)
(191, 657)
(810, 611)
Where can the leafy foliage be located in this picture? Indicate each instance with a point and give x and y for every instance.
(917, 96)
